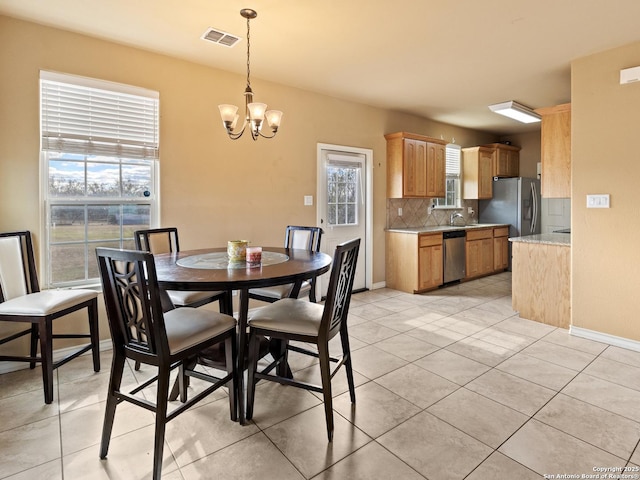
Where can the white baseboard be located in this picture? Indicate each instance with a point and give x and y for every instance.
(6, 367)
(605, 338)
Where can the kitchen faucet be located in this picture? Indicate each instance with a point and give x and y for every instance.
(455, 215)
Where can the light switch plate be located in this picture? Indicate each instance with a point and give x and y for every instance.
(598, 201)
(308, 199)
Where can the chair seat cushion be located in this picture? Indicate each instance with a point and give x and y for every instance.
(281, 291)
(289, 315)
(188, 326)
(181, 298)
(46, 302)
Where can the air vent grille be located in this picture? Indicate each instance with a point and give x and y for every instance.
(220, 37)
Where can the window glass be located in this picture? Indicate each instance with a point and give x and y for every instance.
(453, 190)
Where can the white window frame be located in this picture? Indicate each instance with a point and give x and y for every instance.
(453, 176)
(101, 135)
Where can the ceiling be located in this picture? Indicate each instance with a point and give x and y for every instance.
(446, 60)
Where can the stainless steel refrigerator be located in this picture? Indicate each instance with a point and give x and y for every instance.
(516, 201)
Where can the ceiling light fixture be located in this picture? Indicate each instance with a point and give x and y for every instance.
(516, 111)
(255, 113)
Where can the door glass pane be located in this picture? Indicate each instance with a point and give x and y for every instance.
(342, 194)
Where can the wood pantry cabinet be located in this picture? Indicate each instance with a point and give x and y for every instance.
(415, 166)
(479, 252)
(555, 151)
(477, 168)
(506, 160)
(500, 248)
(413, 261)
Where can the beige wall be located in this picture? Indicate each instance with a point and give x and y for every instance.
(212, 188)
(605, 254)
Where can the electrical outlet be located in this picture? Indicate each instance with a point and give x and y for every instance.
(308, 199)
(399, 211)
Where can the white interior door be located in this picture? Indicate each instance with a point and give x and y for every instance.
(344, 199)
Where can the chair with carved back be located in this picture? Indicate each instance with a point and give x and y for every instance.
(22, 301)
(142, 332)
(306, 238)
(292, 319)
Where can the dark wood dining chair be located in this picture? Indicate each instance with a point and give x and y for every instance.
(142, 332)
(306, 238)
(294, 319)
(165, 240)
(21, 301)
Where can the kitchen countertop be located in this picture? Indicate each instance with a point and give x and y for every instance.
(444, 228)
(562, 239)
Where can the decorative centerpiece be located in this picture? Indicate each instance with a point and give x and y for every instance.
(237, 250)
(254, 256)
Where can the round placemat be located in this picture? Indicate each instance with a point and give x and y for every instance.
(220, 260)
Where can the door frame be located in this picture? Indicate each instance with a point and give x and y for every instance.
(368, 181)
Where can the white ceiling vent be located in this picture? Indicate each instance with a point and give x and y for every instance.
(218, 36)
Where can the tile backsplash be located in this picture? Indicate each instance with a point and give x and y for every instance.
(415, 213)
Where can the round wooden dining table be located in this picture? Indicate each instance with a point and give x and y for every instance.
(211, 269)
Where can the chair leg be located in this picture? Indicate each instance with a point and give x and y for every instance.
(226, 303)
(45, 331)
(161, 419)
(254, 353)
(325, 374)
(117, 369)
(34, 344)
(346, 353)
(94, 333)
(230, 356)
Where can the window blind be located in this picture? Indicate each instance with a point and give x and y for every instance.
(452, 159)
(93, 117)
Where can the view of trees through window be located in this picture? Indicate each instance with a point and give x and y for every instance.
(342, 194)
(93, 201)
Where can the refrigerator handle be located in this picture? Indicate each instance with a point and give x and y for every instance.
(534, 202)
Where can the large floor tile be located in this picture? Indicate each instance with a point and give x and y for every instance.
(615, 372)
(49, 471)
(511, 391)
(371, 332)
(371, 462)
(501, 467)
(562, 337)
(370, 311)
(420, 387)
(504, 338)
(485, 420)
(303, 440)
(481, 351)
(560, 355)
(594, 425)
(522, 326)
(609, 396)
(452, 366)
(376, 411)
(549, 451)
(406, 347)
(253, 457)
(339, 383)
(29, 446)
(622, 355)
(538, 371)
(274, 402)
(434, 448)
(440, 337)
(25, 408)
(23, 381)
(373, 362)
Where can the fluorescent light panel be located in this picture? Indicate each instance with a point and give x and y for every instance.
(516, 111)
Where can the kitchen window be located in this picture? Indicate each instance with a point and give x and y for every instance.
(99, 144)
(453, 193)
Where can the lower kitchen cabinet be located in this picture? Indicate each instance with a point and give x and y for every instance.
(413, 262)
(479, 251)
(500, 248)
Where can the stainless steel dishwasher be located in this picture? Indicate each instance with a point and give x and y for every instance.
(454, 254)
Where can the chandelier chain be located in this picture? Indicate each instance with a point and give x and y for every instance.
(248, 54)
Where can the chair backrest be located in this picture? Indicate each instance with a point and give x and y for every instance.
(17, 265)
(343, 272)
(132, 300)
(157, 240)
(306, 238)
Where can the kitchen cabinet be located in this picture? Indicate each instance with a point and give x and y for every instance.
(479, 252)
(506, 160)
(413, 262)
(500, 248)
(415, 166)
(477, 168)
(555, 135)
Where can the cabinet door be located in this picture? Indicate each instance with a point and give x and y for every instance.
(436, 175)
(513, 166)
(414, 181)
(506, 163)
(556, 151)
(474, 258)
(500, 253)
(486, 249)
(430, 267)
(485, 177)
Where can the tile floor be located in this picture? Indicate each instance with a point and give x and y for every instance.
(450, 385)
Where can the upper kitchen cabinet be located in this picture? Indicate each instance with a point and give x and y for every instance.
(556, 151)
(415, 166)
(506, 160)
(477, 168)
